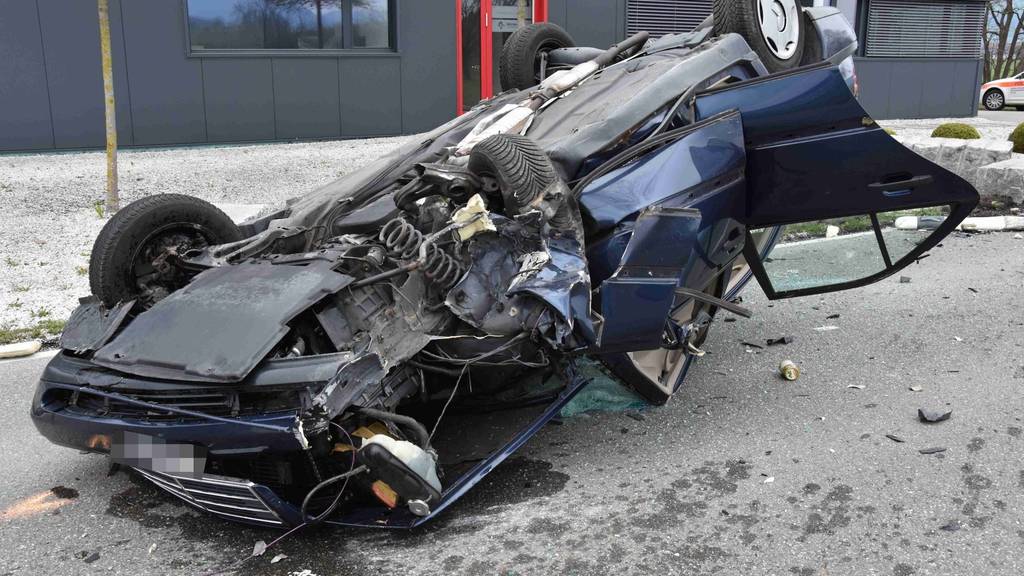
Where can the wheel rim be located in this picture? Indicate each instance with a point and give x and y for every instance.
(779, 21)
(994, 100)
(150, 280)
(663, 365)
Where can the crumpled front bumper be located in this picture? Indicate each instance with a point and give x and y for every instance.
(61, 425)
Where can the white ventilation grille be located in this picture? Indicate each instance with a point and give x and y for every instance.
(661, 17)
(925, 28)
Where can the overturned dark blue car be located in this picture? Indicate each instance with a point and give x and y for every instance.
(368, 352)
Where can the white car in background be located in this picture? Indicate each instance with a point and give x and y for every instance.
(998, 94)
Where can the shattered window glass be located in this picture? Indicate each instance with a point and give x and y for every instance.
(904, 230)
(819, 253)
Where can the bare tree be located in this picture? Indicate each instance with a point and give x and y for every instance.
(1004, 24)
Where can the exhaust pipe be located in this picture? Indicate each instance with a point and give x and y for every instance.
(515, 117)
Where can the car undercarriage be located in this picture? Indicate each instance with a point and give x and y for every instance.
(367, 353)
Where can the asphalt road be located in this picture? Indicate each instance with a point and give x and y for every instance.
(1008, 115)
(685, 491)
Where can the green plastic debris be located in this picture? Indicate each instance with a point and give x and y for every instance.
(604, 393)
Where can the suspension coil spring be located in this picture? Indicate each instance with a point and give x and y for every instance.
(402, 240)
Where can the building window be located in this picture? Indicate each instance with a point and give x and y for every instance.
(661, 17)
(924, 28)
(233, 25)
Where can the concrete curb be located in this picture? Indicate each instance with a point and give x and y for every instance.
(20, 349)
(974, 224)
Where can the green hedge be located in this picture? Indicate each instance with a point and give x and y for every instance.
(956, 130)
(1017, 137)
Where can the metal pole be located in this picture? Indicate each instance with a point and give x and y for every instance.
(113, 201)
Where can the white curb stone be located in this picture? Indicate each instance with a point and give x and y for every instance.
(974, 224)
(965, 158)
(1004, 178)
(20, 349)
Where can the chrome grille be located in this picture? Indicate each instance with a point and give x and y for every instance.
(228, 498)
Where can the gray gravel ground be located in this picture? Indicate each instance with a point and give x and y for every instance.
(989, 126)
(48, 221)
(682, 492)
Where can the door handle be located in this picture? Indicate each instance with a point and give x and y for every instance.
(900, 187)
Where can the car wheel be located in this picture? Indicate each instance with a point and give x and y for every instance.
(775, 29)
(519, 65)
(994, 100)
(129, 257)
(653, 373)
(513, 165)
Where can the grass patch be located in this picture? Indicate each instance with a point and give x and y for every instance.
(853, 224)
(10, 261)
(81, 270)
(40, 331)
(21, 288)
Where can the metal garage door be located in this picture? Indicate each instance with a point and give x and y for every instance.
(925, 28)
(660, 17)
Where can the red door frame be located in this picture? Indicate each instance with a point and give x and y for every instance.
(540, 14)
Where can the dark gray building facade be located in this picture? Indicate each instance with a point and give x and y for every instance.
(216, 71)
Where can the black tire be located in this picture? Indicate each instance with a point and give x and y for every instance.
(519, 65)
(742, 17)
(994, 100)
(623, 366)
(144, 227)
(521, 170)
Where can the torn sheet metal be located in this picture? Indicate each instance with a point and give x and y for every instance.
(563, 283)
(92, 324)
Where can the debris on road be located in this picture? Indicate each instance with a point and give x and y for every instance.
(752, 345)
(933, 416)
(259, 548)
(789, 370)
(769, 480)
(91, 558)
(934, 450)
(975, 290)
(904, 279)
(832, 317)
(895, 438)
(857, 386)
(916, 389)
(958, 339)
(278, 558)
(64, 492)
(951, 526)
(780, 340)
(826, 328)
(636, 415)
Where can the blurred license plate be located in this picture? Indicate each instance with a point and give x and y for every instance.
(151, 453)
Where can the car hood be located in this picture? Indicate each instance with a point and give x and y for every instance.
(222, 325)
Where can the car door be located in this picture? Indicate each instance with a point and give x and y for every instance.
(819, 167)
(1015, 89)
